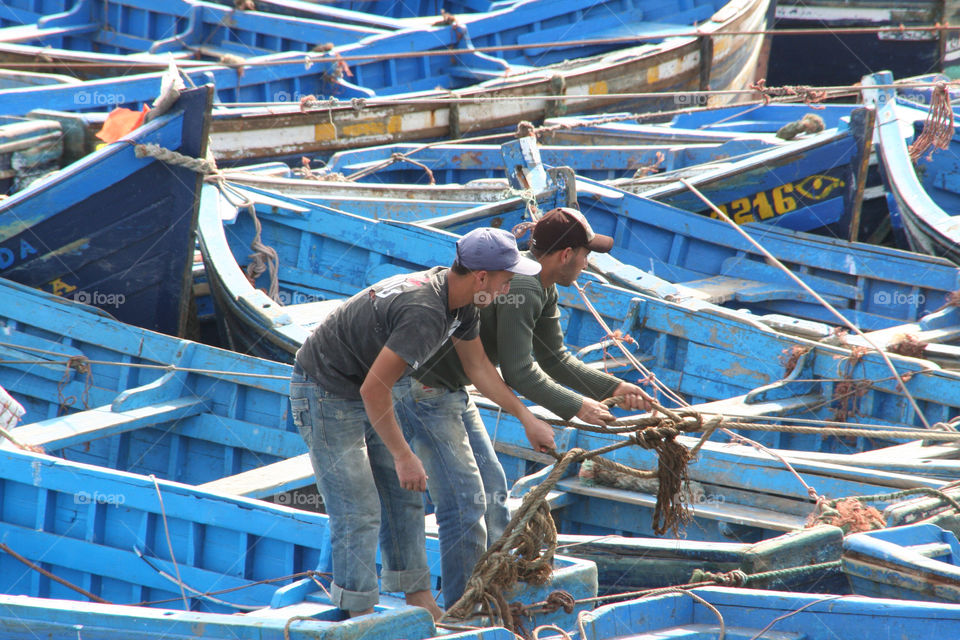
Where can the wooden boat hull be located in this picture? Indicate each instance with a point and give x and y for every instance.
(928, 224)
(836, 59)
(678, 67)
(913, 562)
(114, 230)
(746, 612)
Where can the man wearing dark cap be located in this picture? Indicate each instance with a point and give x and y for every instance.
(341, 398)
(522, 333)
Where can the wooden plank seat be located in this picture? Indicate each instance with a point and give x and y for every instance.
(268, 480)
(101, 422)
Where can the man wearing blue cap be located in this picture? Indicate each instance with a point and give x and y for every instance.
(341, 395)
(522, 333)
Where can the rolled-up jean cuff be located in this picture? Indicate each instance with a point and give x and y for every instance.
(353, 600)
(407, 581)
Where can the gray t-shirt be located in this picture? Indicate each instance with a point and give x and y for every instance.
(407, 313)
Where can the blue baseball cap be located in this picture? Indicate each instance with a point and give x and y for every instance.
(489, 249)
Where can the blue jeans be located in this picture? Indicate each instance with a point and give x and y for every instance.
(362, 496)
(465, 480)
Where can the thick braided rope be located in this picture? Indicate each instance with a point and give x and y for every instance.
(263, 258)
(499, 567)
(198, 165)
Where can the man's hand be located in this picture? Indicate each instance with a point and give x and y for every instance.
(634, 399)
(410, 471)
(540, 434)
(594, 412)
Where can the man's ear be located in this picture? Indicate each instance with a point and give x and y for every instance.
(481, 277)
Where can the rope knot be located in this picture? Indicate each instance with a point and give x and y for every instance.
(559, 599)
(734, 578)
(526, 129)
(80, 364)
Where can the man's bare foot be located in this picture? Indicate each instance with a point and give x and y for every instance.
(425, 599)
(354, 614)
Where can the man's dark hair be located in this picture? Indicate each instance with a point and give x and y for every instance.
(539, 253)
(459, 269)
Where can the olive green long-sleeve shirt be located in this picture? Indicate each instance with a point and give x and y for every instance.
(521, 332)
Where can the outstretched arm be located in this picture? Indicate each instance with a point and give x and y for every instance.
(484, 376)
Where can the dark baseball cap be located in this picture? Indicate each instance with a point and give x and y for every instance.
(489, 249)
(565, 227)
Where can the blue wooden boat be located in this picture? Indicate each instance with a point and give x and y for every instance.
(696, 257)
(158, 545)
(745, 613)
(922, 195)
(522, 74)
(913, 562)
(115, 230)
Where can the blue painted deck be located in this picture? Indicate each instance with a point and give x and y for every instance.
(114, 230)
